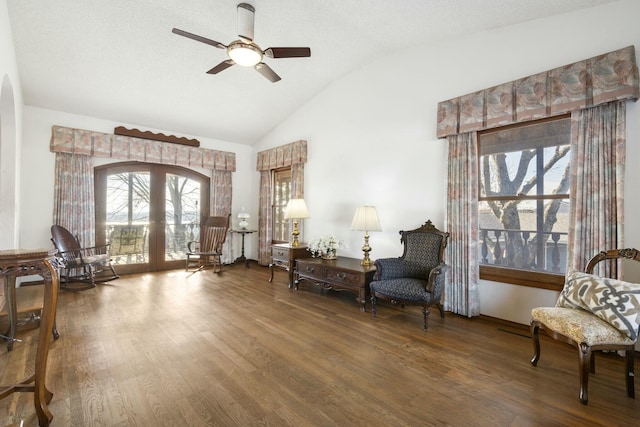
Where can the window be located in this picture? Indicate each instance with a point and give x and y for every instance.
(281, 194)
(524, 202)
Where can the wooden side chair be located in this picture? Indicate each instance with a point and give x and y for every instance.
(81, 265)
(208, 250)
(417, 277)
(593, 313)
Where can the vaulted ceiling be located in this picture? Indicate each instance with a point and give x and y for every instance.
(118, 59)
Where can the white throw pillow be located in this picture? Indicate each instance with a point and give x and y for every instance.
(614, 301)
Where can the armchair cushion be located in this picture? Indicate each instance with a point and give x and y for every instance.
(404, 289)
(390, 268)
(579, 325)
(614, 301)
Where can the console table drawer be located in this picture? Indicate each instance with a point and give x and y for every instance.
(278, 254)
(313, 271)
(345, 277)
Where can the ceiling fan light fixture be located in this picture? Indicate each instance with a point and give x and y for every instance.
(244, 54)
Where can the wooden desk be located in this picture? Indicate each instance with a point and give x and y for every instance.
(339, 274)
(284, 256)
(24, 262)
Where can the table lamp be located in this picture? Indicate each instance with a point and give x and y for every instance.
(296, 209)
(243, 216)
(366, 219)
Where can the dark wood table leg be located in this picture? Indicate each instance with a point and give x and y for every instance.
(20, 262)
(10, 295)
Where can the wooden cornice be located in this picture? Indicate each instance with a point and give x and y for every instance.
(136, 133)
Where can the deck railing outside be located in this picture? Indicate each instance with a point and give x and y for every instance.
(521, 250)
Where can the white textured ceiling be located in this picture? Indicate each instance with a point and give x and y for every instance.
(118, 60)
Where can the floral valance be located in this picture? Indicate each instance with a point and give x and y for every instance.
(282, 156)
(89, 143)
(609, 77)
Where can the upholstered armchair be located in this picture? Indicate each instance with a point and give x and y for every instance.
(593, 313)
(417, 277)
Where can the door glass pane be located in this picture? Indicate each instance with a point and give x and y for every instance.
(128, 217)
(182, 215)
(281, 195)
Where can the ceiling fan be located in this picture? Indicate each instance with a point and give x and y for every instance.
(244, 51)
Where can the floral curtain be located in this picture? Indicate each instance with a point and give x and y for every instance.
(74, 204)
(594, 81)
(98, 144)
(221, 192)
(292, 155)
(461, 285)
(597, 184)
(265, 235)
(597, 137)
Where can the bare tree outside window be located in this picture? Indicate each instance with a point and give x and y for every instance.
(128, 201)
(524, 196)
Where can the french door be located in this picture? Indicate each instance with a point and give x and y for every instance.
(148, 213)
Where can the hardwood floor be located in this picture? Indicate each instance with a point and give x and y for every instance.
(195, 349)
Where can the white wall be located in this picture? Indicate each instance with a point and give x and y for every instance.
(372, 134)
(38, 171)
(10, 135)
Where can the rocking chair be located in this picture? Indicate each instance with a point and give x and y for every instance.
(81, 265)
(208, 250)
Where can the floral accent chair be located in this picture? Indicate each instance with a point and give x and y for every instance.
(417, 277)
(593, 313)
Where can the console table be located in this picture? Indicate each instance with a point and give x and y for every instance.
(339, 274)
(24, 262)
(284, 256)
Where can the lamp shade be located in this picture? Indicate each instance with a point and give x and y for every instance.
(243, 214)
(296, 209)
(366, 219)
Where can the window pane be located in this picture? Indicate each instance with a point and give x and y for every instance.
(182, 216)
(281, 194)
(524, 200)
(525, 245)
(527, 160)
(128, 217)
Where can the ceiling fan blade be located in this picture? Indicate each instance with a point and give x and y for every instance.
(246, 19)
(198, 38)
(288, 52)
(221, 66)
(267, 72)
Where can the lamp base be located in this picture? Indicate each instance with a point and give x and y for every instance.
(366, 261)
(295, 233)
